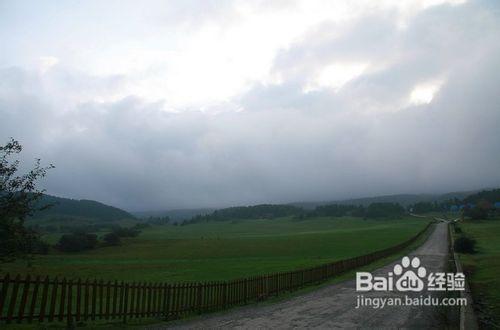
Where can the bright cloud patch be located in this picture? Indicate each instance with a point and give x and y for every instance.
(336, 75)
(46, 62)
(424, 93)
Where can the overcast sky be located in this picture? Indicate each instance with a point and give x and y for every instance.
(173, 104)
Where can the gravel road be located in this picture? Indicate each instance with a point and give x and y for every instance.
(334, 306)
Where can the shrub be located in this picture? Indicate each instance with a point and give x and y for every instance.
(140, 226)
(51, 229)
(464, 244)
(112, 239)
(382, 210)
(126, 232)
(480, 211)
(40, 247)
(476, 213)
(77, 242)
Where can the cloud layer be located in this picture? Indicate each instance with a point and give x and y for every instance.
(265, 103)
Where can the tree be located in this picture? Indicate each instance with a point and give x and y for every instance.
(18, 200)
(424, 207)
(78, 241)
(126, 232)
(491, 196)
(381, 210)
(262, 211)
(111, 239)
(480, 211)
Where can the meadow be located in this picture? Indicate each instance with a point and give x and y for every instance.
(483, 268)
(225, 250)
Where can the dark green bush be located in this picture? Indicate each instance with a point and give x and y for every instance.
(464, 244)
(383, 210)
(77, 242)
(111, 239)
(40, 247)
(126, 232)
(140, 226)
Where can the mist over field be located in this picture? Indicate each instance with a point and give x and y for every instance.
(164, 105)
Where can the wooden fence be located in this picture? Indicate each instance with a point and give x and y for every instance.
(41, 299)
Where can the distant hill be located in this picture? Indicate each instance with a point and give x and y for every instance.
(89, 210)
(492, 196)
(261, 211)
(403, 199)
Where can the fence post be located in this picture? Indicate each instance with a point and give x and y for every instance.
(86, 300)
(125, 303)
(101, 299)
(143, 299)
(3, 293)
(224, 290)
(199, 294)
(115, 298)
(159, 299)
(78, 299)
(246, 290)
(45, 291)
(148, 300)
(166, 301)
(108, 299)
(154, 308)
(13, 299)
(53, 299)
(70, 304)
(24, 297)
(62, 299)
(133, 299)
(34, 297)
(138, 299)
(94, 299)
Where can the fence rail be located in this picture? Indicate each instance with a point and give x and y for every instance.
(42, 299)
(468, 318)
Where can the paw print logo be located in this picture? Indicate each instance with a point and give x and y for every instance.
(411, 274)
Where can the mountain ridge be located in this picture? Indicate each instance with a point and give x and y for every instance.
(64, 208)
(403, 199)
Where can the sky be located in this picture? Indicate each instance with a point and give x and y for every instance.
(150, 105)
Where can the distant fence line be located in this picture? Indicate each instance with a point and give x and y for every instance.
(37, 299)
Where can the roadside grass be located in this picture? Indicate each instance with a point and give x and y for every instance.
(225, 250)
(483, 269)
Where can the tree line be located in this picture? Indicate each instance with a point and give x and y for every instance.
(263, 211)
(272, 211)
(483, 208)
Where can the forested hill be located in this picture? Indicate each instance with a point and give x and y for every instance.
(175, 214)
(402, 199)
(263, 211)
(89, 209)
(491, 196)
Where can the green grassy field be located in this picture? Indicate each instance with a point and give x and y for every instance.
(226, 250)
(484, 267)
